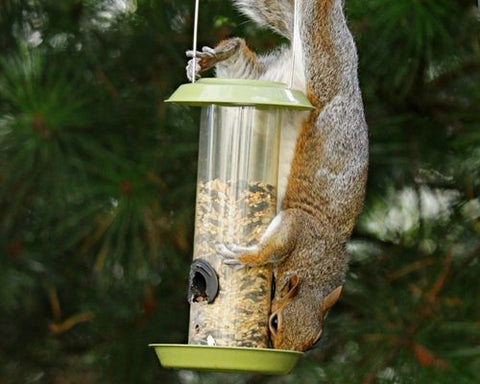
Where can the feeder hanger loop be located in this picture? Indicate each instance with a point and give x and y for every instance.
(195, 33)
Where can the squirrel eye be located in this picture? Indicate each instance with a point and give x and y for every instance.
(274, 323)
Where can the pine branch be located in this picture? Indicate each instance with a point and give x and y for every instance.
(467, 68)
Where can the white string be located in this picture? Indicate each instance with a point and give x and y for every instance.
(294, 41)
(195, 30)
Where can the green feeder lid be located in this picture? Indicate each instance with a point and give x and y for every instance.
(226, 359)
(239, 92)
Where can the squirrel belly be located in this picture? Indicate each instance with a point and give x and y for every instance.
(291, 123)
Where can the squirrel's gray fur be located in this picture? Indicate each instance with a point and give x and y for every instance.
(326, 181)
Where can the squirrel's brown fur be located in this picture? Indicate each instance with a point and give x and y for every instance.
(326, 183)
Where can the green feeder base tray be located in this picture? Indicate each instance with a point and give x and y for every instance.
(226, 359)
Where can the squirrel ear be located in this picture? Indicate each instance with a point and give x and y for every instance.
(291, 287)
(332, 298)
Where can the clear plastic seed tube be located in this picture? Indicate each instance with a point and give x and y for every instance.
(236, 200)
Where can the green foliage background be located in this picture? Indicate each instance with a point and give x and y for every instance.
(97, 184)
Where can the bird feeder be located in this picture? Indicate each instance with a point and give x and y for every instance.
(240, 133)
(239, 145)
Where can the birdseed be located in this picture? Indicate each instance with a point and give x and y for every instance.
(233, 213)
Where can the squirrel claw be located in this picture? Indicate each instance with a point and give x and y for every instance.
(235, 264)
(191, 53)
(209, 51)
(225, 251)
(229, 256)
(205, 53)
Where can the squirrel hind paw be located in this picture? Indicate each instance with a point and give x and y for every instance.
(193, 67)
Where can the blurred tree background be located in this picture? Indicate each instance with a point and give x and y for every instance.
(97, 184)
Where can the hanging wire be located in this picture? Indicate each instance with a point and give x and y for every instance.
(195, 33)
(294, 41)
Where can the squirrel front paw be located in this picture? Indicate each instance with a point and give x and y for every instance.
(232, 254)
(200, 61)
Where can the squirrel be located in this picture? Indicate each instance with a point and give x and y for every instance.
(326, 179)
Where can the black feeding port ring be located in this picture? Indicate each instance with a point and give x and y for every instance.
(202, 282)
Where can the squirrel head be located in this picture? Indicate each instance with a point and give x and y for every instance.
(297, 318)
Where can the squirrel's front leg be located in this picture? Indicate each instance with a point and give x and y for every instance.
(231, 57)
(276, 244)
